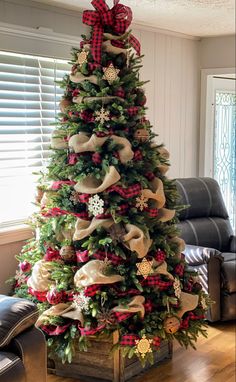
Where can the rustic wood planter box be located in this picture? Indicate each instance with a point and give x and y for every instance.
(97, 365)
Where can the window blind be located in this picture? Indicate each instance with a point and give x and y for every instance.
(29, 99)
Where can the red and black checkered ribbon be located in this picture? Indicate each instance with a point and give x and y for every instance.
(53, 212)
(152, 212)
(131, 292)
(59, 183)
(148, 306)
(126, 193)
(122, 209)
(89, 331)
(120, 316)
(100, 255)
(155, 281)
(91, 290)
(128, 340)
(84, 198)
(119, 18)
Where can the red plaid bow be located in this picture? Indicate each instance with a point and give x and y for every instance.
(128, 340)
(122, 316)
(90, 332)
(119, 18)
(126, 193)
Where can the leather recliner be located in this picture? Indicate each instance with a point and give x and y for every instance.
(22, 346)
(211, 244)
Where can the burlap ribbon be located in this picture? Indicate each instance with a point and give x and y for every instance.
(58, 141)
(109, 48)
(92, 185)
(40, 279)
(93, 273)
(68, 310)
(161, 269)
(78, 77)
(82, 142)
(135, 240)
(84, 228)
(163, 168)
(180, 244)
(105, 100)
(157, 193)
(187, 302)
(135, 305)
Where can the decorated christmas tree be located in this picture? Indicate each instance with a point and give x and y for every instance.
(106, 255)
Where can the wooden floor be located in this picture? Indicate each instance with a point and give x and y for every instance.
(214, 360)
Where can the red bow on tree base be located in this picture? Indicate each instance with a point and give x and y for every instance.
(119, 18)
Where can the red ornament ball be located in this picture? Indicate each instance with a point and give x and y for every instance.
(25, 266)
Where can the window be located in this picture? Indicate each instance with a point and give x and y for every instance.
(29, 100)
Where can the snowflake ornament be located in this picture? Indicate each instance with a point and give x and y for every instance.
(145, 268)
(141, 202)
(82, 57)
(102, 115)
(95, 205)
(81, 301)
(177, 288)
(203, 303)
(110, 73)
(143, 346)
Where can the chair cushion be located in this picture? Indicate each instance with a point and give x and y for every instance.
(11, 368)
(16, 315)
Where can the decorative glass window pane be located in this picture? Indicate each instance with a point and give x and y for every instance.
(225, 149)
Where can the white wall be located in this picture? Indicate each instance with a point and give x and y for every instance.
(217, 52)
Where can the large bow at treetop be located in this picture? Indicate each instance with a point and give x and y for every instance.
(119, 18)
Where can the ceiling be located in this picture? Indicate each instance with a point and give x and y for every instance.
(192, 17)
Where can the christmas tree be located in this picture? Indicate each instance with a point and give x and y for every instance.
(106, 255)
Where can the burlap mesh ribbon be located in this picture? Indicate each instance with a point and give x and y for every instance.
(93, 273)
(135, 305)
(78, 77)
(58, 141)
(136, 241)
(84, 228)
(157, 193)
(40, 279)
(81, 143)
(67, 310)
(188, 302)
(92, 185)
(161, 269)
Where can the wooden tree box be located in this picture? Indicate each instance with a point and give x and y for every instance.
(97, 364)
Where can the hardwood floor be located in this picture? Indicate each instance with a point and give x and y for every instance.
(214, 360)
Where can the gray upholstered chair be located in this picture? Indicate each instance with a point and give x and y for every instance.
(211, 245)
(22, 346)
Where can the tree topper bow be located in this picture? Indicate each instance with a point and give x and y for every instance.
(119, 18)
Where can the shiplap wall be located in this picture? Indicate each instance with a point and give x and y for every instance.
(172, 66)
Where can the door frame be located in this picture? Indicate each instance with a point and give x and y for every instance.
(207, 118)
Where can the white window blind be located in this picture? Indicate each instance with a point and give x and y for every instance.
(29, 100)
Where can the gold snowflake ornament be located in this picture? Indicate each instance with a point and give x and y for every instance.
(143, 346)
(110, 73)
(141, 202)
(102, 115)
(145, 268)
(177, 288)
(82, 57)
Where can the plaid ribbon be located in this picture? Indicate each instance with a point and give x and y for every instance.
(84, 198)
(152, 212)
(131, 292)
(91, 332)
(119, 18)
(126, 193)
(91, 290)
(122, 316)
(100, 255)
(53, 212)
(156, 281)
(122, 209)
(103, 216)
(59, 183)
(40, 296)
(137, 155)
(148, 306)
(53, 330)
(128, 340)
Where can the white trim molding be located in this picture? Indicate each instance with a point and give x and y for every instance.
(14, 234)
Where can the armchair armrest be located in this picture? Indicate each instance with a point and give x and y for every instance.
(16, 315)
(207, 262)
(232, 244)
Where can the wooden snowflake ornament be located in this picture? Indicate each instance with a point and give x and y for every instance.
(110, 73)
(143, 346)
(82, 57)
(102, 115)
(141, 202)
(145, 268)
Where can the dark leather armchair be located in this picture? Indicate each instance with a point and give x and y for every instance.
(211, 245)
(22, 346)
